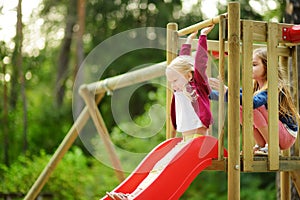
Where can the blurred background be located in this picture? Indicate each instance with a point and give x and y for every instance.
(42, 45)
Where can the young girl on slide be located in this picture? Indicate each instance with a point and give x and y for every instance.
(190, 108)
(288, 115)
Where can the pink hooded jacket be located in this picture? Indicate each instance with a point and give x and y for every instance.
(199, 83)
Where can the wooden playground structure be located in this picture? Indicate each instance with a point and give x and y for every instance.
(238, 38)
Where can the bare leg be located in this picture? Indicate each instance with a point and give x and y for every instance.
(261, 136)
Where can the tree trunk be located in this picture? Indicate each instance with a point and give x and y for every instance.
(79, 51)
(5, 118)
(21, 73)
(64, 56)
(80, 33)
(16, 62)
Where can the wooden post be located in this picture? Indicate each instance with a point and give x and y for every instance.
(247, 127)
(285, 183)
(296, 179)
(99, 124)
(59, 153)
(172, 39)
(296, 149)
(233, 101)
(221, 112)
(272, 71)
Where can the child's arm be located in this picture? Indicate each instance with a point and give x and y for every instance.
(202, 58)
(186, 48)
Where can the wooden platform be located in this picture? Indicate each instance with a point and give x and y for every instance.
(260, 164)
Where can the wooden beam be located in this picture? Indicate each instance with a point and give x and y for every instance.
(296, 179)
(102, 131)
(218, 165)
(233, 101)
(127, 79)
(272, 71)
(172, 40)
(200, 25)
(60, 152)
(261, 165)
(295, 92)
(247, 81)
(221, 107)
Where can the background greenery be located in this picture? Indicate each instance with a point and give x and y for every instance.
(31, 131)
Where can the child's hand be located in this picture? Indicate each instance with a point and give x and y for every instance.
(215, 83)
(191, 37)
(206, 30)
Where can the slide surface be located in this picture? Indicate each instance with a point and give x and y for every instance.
(178, 174)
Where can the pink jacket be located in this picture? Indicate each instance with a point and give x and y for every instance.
(199, 83)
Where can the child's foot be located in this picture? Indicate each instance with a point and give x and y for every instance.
(261, 151)
(110, 195)
(117, 196)
(256, 147)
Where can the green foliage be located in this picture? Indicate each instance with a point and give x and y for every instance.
(76, 176)
(48, 128)
(258, 186)
(211, 185)
(80, 176)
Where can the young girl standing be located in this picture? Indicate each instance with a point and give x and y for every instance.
(288, 115)
(190, 108)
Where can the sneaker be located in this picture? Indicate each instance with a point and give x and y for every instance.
(261, 151)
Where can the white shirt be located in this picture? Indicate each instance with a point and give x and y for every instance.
(186, 117)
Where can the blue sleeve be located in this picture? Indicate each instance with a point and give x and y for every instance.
(214, 95)
(260, 99)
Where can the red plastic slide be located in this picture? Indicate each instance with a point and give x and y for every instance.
(179, 173)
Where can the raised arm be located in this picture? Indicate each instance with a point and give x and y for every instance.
(186, 48)
(202, 58)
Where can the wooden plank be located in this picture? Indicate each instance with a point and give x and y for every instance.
(221, 107)
(261, 164)
(127, 79)
(172, 39)
(247, 127)
(285, 185)
(233, 101)
(295, 92)
(296, 179)
(272, 71)
(213, 45)
(260, 31)
(60, 152)
(218, 165)
(102, 130)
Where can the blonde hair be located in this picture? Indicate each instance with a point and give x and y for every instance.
(286, 104)
(184, 64)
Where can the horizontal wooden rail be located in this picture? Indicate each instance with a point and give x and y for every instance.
(128, 78)
(213, 45)
(202, 24)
